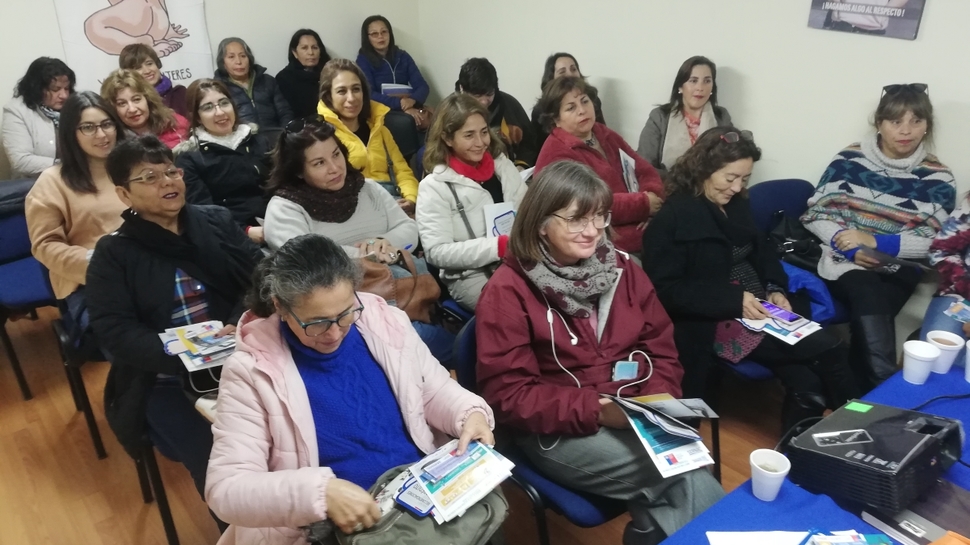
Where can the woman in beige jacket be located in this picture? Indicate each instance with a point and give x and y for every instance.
(73, 204)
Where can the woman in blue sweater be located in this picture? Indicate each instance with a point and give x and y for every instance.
(384, 62)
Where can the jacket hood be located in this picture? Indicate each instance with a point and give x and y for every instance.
(192, 142)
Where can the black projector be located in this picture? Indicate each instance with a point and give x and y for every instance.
(874, 455)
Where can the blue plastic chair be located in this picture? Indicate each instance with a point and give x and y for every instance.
(24, 286)
(582, 509)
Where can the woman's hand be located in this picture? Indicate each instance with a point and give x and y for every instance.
(475, 429)
(779, 300)
(655, 202)
(966, 329)
(349, 505)
(752, 309)
(226, 331)
(407, 103)
(381, 249)
(407, 206)
(863, 260)
(611, 415)
(853, 238)
(255, 234)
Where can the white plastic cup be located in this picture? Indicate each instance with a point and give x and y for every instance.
(918, 360)
(948, 352)
(966, 369)
(768, 471)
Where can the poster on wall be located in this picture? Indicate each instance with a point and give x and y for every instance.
(890, 18)
(95, 31)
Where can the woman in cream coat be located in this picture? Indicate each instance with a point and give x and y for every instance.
(469, 170)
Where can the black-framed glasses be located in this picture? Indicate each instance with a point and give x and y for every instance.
(734, 137)
(89, 129)
(223, 104)
(321, 326)
(313, 121)
(900, 87)
(150, 177)
(578, 224)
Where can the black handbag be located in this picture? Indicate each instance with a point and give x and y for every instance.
(796, 245)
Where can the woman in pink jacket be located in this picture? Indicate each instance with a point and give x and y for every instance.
(327, 390)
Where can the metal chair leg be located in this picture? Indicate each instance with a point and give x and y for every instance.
(155, 478)
(15, 363)
(146, 488)
(538, 509)
(74, 376)
(716, 443)
(61, 336)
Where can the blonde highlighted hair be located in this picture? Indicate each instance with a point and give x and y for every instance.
(160, 117)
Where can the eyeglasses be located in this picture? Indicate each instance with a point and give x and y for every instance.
(900, 87)
(378, 34)
(578, 224)
(223, 104)
(321, 326)
(734, 137)
(150, 177)
(89, 129)
(313, 121)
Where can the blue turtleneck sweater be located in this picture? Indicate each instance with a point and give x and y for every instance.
(360, 429)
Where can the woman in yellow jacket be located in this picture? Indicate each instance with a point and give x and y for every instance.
(345, 103)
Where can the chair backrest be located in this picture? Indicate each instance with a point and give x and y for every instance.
(768, 197)
(465, 356)
(14, 240)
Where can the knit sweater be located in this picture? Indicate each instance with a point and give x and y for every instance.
(377, 216)
(902, 202)
(64, 225)
(950, 253)
(359, 426)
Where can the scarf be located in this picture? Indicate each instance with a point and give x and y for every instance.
(481, 173)
(53, 115)
(894, 168)
(678, 139)
(574, 289)
(326, 206)
(231, 141)
(164, 85)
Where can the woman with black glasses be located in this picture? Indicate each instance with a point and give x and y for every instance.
(225, 162)
(316, 190)
(73, 204)
(884, 195)
(710, 266)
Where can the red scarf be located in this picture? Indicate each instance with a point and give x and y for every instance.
(482, 173)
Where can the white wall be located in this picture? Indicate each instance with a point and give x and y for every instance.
(805, 93)
(28, 29)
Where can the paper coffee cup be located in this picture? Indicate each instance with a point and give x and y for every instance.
(768, 471)
(950, 345)
(918, 360)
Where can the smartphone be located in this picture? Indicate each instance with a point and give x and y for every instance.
(780, 313)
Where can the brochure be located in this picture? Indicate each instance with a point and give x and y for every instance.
(791, 333)
(629, 166)
(959, 310)
(396, 89)
(455, 483)
(885, 259)
(197, 346)
(673, 446)
(499, 219)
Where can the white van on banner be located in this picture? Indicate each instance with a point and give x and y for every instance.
(95, 31)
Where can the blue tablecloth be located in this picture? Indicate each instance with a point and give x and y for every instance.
(796, 509)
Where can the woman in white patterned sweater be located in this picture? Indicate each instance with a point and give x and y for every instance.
(888, 194)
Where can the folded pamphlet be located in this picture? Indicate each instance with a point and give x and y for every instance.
(673, 446)
(197, 346)
(790, 332)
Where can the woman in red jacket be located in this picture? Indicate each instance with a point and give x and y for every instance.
(569, 115)
(552, 323)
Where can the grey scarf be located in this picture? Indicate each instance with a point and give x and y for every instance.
(575, 289)
(53, 115)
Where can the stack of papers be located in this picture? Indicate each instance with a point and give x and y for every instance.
(673, 446)
(791, 333)
(396, 89)
(197, 346)
(444, 484)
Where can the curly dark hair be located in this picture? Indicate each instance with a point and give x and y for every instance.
(290, 153)
(709, 154)
(38, 78)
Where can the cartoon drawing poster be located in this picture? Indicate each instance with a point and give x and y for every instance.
(95, 31)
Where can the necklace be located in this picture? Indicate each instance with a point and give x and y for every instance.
(591, 141)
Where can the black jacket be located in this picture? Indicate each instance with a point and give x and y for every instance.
(130, 295)
(524, 152)
(232, 178)
(301, 87)
(688, 257)
(267, 108)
